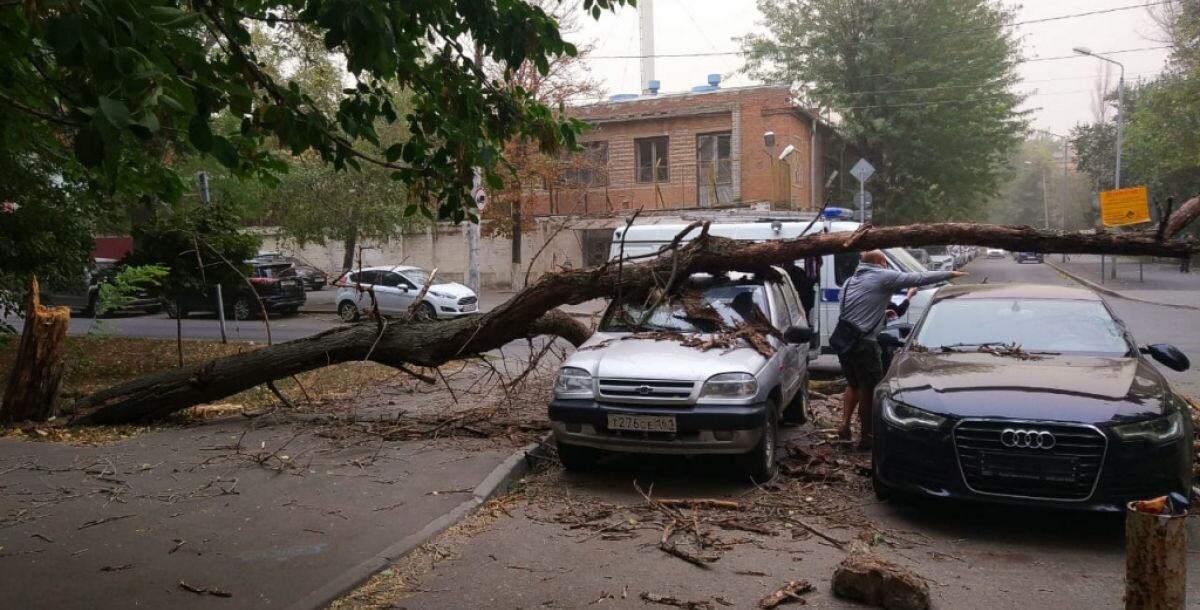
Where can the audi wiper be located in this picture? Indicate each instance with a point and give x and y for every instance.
(951, 346)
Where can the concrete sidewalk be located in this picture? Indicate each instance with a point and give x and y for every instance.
(322, 301)
(1152, 282)
(271, 514)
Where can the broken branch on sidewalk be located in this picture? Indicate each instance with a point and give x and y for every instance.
(789, 592)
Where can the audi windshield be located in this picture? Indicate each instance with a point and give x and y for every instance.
(1033, 325)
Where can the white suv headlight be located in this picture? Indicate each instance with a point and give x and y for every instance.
(573, 382)
(908, 417)
(1157, 430)
(730, 386)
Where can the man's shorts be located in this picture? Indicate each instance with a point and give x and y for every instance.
(862, 365)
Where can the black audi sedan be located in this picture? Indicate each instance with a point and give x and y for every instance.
(1029, 394)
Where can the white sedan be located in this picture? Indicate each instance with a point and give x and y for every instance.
(395, 287)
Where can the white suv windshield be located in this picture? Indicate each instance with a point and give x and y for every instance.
(1035, 325)
(733, 301)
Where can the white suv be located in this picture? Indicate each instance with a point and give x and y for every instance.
(395, 287)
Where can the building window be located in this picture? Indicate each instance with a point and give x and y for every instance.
(713, 155)
(651, 159)
(586, 169)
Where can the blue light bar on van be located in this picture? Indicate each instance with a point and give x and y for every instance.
(837, 214)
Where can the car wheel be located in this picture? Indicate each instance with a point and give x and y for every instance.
(241, 308)
(883, 492)
(89, 310)
(426, 312)
(348, 311)
(174, 311)
(759, 464)
(797, 410)
(577, 458)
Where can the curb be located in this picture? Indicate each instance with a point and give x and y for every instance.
(502, 477)
(1114, 293)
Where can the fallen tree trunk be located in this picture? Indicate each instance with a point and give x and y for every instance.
(531, 311)
(32, 391)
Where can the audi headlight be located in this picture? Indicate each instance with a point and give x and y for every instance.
(1157, 430)
(730, 386)
(907, 417)
(573, 383)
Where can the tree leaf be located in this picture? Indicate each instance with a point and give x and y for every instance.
(200, 133)
(114, 111)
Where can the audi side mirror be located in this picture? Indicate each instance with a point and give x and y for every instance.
(1168, 355)
(890, 338)
(797, 334)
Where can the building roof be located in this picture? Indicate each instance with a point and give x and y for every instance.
(644, 106)
(1016, 291)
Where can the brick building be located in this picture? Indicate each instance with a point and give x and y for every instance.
(701, 149)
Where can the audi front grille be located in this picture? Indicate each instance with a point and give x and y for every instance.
(647, 390)
(1030, 459)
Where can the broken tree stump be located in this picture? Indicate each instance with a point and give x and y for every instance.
(1155, 558)
(873, 581)
(32, 390)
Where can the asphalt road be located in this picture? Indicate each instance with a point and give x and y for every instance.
(1149, 323)
(199, 326)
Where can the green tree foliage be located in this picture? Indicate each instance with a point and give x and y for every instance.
(123, 287)
(1161, 142)
(46, 222)
(922, 88)
(1038, 186)
(123, 86)
(201, 245)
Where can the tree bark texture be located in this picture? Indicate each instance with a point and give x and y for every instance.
(532, 311)
(32, 391)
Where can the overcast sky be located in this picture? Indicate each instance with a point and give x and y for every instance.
(1061, 89)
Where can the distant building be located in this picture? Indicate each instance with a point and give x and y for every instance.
(711, 147)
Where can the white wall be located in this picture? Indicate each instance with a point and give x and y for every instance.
(446, 249)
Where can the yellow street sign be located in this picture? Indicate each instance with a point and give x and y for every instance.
(1124, 206)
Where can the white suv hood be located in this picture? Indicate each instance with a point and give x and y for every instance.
(666, 359)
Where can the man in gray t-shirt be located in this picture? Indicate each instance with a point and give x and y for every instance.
(865, 298)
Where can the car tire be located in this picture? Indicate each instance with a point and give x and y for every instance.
(348, 311)
(174, 311)
(796, 413)
(577, 458)
(426, 311)
(760, 464)
(242, 308)
(883, 491)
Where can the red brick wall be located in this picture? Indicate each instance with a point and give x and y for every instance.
(746, 113)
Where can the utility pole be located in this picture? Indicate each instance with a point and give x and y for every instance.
(645, 9)
(1120, 130)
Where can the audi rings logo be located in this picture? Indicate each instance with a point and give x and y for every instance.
(1027, 439)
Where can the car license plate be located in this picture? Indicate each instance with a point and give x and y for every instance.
(642, 423)
(470, 308)
(287, 283)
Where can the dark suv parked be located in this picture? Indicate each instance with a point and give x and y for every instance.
(275, 284)
(1036, 257)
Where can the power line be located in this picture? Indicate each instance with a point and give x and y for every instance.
(978, 86)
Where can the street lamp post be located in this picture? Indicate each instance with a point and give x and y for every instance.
(1120, 130)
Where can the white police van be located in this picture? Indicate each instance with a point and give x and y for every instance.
(834, 269)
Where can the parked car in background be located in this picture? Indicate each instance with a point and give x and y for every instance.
(273, 284)
(621, 392)
(962, 255)
(1031, 394)
(940, 258)
(82, 295)
(1036, 257)
(395, 287)
(995, 253)
(920, 254)
(310, 277)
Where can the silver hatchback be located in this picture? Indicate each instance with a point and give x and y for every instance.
(679, 383)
